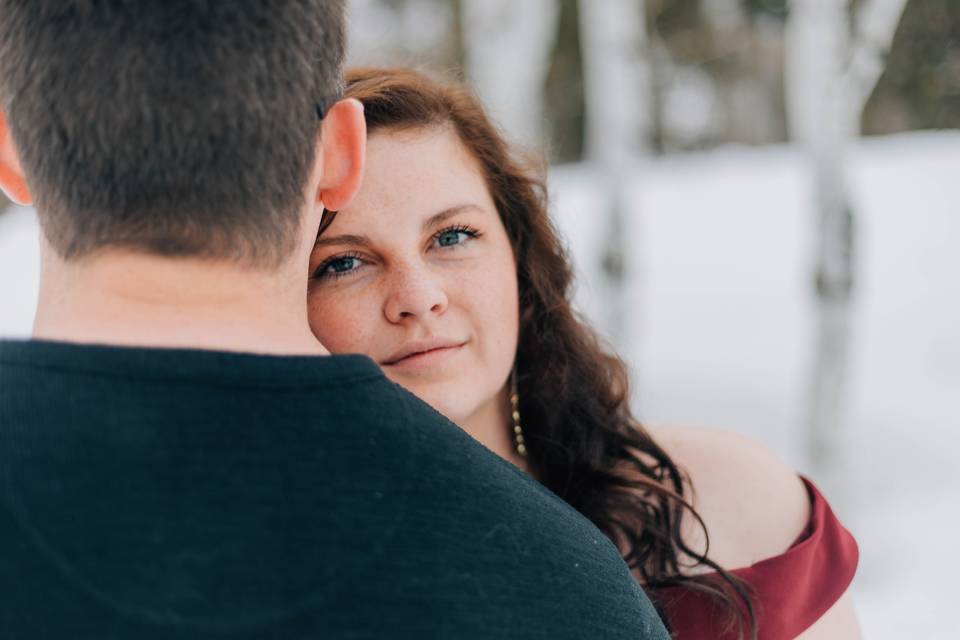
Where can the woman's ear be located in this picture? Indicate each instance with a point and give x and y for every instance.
(342, 149)
(12, 180)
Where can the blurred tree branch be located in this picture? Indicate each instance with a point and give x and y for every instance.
(875, 24)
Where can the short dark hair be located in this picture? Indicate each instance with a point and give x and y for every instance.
(175, 127)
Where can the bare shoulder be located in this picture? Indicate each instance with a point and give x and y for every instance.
(753, 504)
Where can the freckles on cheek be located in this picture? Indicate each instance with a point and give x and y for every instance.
(492, 298)
(340, 325)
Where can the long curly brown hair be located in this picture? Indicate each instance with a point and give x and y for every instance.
(582, 441)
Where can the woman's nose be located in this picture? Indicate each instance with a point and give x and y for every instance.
(415, 292)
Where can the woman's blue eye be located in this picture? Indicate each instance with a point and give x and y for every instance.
(342, 265)
(455, 236)
(450, 238)
(337, 267)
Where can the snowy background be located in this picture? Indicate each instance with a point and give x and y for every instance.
(647, 109)
(724, 326)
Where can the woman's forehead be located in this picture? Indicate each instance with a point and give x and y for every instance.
(415, 174)
(403, 153)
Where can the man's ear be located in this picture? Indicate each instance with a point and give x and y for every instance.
(12, 181)
(342, 147)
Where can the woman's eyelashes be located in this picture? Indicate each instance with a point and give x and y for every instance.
(338, 266)
(454, 236)
(347, 264)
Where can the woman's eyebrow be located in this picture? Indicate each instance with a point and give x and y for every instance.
(437, 218)
(362, 241)
(365, 241)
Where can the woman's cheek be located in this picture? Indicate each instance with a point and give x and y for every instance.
(343, 323)
(494, 300)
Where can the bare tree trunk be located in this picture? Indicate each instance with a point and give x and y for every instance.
(379, 32)
(724, 14)
(618, 113)
(507, 46)
(875, 25)
(828, 80)
(616, 80)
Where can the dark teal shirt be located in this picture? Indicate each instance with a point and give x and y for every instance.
(150, 493)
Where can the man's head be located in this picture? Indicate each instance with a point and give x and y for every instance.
(172, 127)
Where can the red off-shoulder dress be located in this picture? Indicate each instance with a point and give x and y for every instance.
(790, 591)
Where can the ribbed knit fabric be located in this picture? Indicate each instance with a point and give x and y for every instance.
(149, 494)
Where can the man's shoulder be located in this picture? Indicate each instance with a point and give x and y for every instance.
(305, 489)
(195, 366)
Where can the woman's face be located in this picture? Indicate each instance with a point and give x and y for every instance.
(418, 274)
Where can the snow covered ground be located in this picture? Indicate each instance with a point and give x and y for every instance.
(721, 333)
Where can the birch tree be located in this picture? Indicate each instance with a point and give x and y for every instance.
(381, 32)
(724, 14)
(832, 67)
(618, 99)
(507, 46)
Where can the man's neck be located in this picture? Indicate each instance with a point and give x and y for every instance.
(132, 299)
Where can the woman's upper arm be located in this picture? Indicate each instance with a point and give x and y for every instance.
(753, 504)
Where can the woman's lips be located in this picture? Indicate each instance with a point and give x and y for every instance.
(425, 359)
